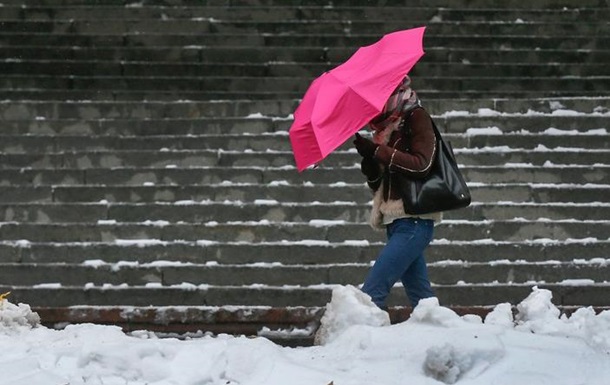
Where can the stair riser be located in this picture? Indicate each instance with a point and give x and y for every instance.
(291, 253)
(49, 144)
(289, 84)
(23, 113)
(239, 54)
(202, 176)
(448, 296)
(188, 159)
(44, 214)
(497, 231)
(287, 275)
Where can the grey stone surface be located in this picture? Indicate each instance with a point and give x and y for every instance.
(290, 253)
(158, 133)
(270, 296)
(262, 232)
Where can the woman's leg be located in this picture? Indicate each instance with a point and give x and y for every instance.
(415, 278)
(415, 281)
(407, 239)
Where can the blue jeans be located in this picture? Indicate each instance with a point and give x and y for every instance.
(402, 259)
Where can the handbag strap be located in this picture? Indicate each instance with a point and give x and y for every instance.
(441, 141)
(437, 133)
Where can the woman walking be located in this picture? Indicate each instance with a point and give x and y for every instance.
(403, 146)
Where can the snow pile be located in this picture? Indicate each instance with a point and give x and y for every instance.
(16, 316)
(537, 314)
(467, 359)
(434, 346)
(501, 315)
(348, 307)
(429, 311)
(452, 361)
(460, 348)
(461, 356)
(27, 371)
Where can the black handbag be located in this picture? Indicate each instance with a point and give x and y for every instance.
(442, 189)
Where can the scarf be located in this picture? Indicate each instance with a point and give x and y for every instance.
(402, 99)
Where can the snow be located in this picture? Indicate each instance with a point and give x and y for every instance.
(483, 131)
(266, 202)
(326, 222)
(348, 307)
(555, 131)
(551, 131)
(435, 346)
(488, 112)
(139, 242)
(12, 316)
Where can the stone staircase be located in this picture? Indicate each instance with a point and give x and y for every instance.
(147, 179)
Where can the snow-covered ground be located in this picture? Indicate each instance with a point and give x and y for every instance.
(358, 346)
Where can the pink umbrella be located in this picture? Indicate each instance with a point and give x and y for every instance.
(343, 100)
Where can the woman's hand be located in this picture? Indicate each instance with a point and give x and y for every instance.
(365, 147)
(371, 169)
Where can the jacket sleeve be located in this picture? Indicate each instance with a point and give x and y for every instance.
(417, 160)
(374, 185)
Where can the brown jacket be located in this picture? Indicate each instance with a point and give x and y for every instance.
(409, 152)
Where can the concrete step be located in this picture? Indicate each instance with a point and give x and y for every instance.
(518, 123)
(443, 273)
(452, 34)
(546, 4)
(592, 37)
(142, 126)
(276, 25)
(14, 144)
(274, 33)
(192, 95)
(515, 173)
(489, 156)
(292, 84)
(267, 13)
(278, 212)
(276, 324)
(450, 295)
(309, 70)
(280, 192)
(21, 120)
(42, 177)
(112, 159)
(320, 54)
(70, 112)
(272, 323)
(534, 192)
(304, 252)
(262, 132)
(516, 273)
(91, 110)
(322, 231)
(275, 21)
(474, 156)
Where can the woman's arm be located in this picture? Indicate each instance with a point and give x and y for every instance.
(418, 160)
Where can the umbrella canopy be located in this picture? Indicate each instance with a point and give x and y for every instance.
(343, 100)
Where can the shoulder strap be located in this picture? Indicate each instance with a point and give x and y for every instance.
(441, 141)
(436, 131)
